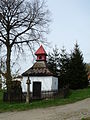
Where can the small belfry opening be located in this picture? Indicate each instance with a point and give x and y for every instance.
(40, 57)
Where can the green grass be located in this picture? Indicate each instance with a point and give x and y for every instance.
(85, 118)
(74, 95)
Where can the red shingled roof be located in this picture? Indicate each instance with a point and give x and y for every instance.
(40, 51)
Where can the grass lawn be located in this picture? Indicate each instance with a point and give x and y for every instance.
(85, 118)
(75, 95)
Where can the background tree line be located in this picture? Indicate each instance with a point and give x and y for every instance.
(70, 68)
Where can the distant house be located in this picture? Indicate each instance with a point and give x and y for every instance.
(0, 84)
(18, 78)
(42, 79)
(89, 76)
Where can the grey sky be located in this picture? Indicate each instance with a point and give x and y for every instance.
(71, 23)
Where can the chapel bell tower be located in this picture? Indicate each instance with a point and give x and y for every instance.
(41, 54)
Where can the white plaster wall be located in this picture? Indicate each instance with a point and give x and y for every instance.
(48, 83)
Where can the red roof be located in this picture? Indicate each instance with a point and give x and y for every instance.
(40, 51)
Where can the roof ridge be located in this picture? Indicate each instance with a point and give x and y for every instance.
(41, 50)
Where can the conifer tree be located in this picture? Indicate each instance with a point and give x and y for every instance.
(52, 61)
(77, 71)
(0, 82)
(64, 66)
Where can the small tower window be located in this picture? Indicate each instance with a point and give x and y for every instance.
(40, 57)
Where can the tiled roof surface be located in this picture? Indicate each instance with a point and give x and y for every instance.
(40, 68)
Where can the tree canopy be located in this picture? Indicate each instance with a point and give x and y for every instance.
(77, 71)
(53, 60)
(22, 23)
(64, 68)
(69, 68)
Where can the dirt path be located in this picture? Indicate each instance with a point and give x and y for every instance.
(74, 111)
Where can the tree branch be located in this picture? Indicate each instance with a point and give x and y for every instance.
(3, 74)
(26, 41)
(3, 41)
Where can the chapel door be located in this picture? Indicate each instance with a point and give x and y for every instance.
(37, 90)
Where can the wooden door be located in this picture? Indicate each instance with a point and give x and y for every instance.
(37, 90)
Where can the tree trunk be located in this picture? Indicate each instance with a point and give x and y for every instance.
(8, 72)
(8, 60)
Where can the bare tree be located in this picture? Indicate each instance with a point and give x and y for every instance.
(23, 23)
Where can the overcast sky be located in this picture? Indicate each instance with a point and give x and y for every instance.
(70, 23)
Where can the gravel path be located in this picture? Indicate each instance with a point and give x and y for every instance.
(74, 111)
